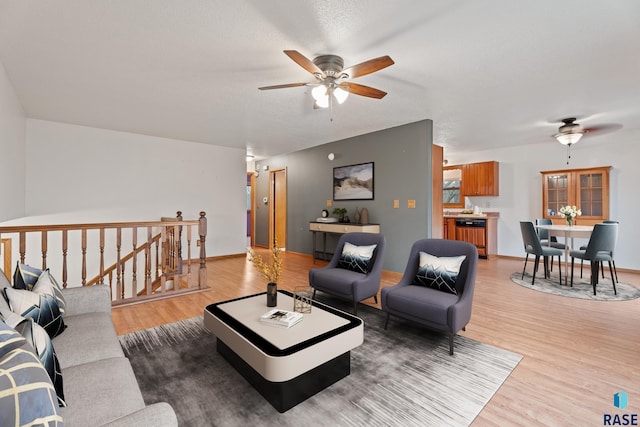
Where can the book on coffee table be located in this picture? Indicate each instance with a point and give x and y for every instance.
(282, 318)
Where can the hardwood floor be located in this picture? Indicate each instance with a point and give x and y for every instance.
(576, 353)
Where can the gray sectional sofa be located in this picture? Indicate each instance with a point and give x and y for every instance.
(100, 388)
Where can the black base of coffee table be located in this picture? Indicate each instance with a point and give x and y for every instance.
(285, 395)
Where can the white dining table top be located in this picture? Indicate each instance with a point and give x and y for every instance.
(564, 227)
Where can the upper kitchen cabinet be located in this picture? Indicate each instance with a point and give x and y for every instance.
(587, 189)
(481, 179)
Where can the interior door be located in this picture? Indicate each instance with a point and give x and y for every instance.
(278, 207)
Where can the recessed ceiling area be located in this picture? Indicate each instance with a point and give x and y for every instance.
(489, 74)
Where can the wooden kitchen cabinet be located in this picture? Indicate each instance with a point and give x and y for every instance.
(479, 230)
(481, 179)
(587, 189)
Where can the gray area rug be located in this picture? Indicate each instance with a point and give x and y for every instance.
(403, 376)
(581, 287)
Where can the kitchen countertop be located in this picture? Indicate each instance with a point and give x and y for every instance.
(448, 214)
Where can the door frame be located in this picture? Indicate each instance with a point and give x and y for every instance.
(273, 193)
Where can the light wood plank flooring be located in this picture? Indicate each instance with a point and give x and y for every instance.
(576, 353)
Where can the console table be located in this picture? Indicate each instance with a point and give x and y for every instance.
(336, 228)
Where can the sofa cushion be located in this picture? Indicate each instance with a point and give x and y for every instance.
(25, 276)
(48, 285)
(39, 340)
(4, 283)
(89, 337)
(356, 258)
(99, 392)
(28, 397)
(41, 307)
(439, 273)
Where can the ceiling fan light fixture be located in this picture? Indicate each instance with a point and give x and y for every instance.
(340, 94)
(568, 138)
(319, 92)
(323, 102)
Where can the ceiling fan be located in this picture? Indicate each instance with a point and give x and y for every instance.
(571, 132)
(330, 77)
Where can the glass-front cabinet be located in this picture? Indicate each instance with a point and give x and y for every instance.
(588, 189)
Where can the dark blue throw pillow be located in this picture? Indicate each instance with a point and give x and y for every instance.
(25, 276)
(356, 258)
(439, 273)
(42, 308)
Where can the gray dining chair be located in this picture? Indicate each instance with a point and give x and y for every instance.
(533, 246)
(545, 239)
(613, 261)
(600, 248)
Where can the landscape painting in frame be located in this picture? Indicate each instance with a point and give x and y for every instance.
(354, 182)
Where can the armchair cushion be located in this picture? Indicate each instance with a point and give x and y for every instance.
(356, 258)
(440, 273)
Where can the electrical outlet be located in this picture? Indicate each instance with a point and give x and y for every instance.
(411, 204)
(396, 204)
(329, 203)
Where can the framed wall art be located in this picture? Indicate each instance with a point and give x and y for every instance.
(353, 182)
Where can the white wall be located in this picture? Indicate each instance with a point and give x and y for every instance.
(83, 174)
(521, 185)
(12, 147)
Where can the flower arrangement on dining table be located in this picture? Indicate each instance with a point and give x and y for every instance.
(570, 213)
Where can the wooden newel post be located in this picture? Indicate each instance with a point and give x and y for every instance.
(179, 243)
(202, 231)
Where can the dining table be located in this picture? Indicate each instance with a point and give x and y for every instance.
(569, 233)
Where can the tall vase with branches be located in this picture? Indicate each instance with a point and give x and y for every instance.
(270, 270)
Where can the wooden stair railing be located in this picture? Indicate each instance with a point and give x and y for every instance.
(160, 254)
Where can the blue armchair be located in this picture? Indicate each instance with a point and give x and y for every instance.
(339, 279)
(437, 309)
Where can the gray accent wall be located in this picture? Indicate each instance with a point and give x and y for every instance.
(402, 171)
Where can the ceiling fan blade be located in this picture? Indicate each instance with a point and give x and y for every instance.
(368, 67)
(282, 86)
(303, 61)
(362, 90)
(602, 129)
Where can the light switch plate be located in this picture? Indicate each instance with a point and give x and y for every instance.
(329, 203)
(396, 204)
(411, 204)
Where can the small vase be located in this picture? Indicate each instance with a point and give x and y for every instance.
(364, 216)
(570, 222)
(272, 294)
(356, 216)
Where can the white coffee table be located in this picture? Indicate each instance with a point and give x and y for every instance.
(286, 365)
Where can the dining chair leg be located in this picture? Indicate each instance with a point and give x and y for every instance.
(581, 265)
(572, 262)
(594, 274)
(536, 263)
(615, 292)
(545, 265)
(615, 272)
(559, 268)
(525, 265)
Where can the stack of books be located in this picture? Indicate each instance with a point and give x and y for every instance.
(282, 318)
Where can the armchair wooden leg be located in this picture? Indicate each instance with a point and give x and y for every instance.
(386, 321)
(450, 344)
(355, 308)
(314, 293)
(375, 298)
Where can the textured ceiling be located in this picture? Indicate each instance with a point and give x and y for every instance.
(489, 74)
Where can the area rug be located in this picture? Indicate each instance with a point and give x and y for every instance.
(403, 376)
(581, 287)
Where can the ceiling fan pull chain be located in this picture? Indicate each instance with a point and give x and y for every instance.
(568, 153)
